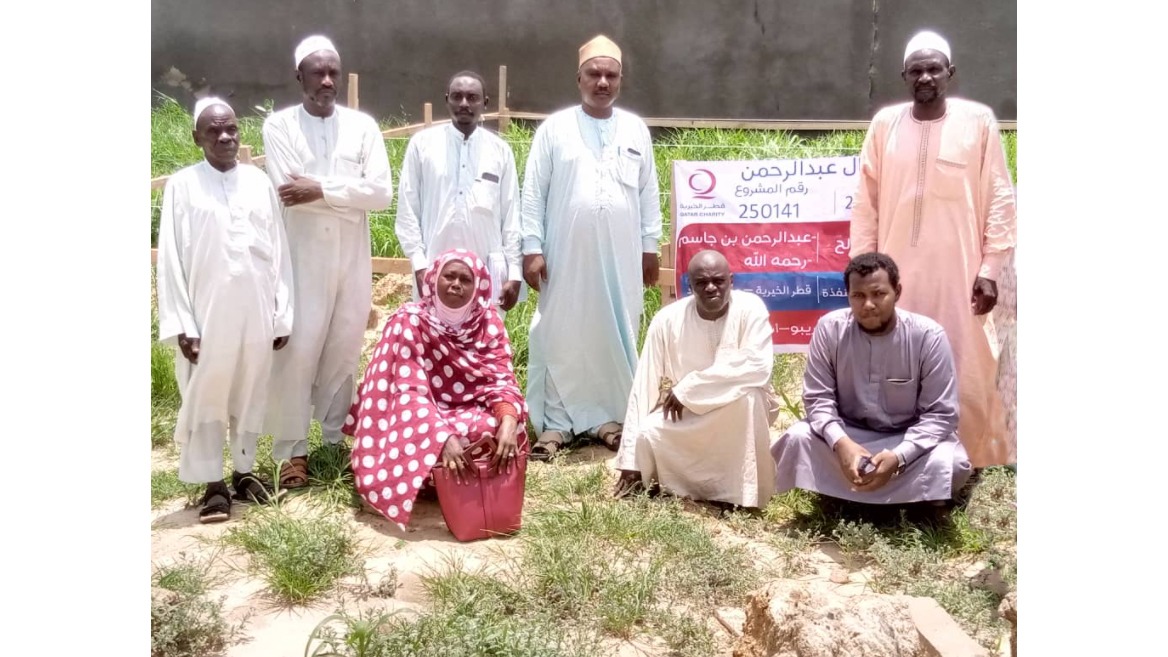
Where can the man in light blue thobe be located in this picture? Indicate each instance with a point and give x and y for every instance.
(591, 223)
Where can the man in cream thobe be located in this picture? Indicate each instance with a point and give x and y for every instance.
(225, 300)
(330, 168)
(935, 194)
(698, 419)
(458, 189)
(880, 387)
(591, 222)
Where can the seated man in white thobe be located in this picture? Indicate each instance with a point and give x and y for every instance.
(458, 189)
(880, 393)
(698, 420)
(225, 299)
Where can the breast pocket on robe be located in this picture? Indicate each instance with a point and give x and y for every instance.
(900, 396)
(350, 164)
(629, 168)
(952, 168)
(484, 197)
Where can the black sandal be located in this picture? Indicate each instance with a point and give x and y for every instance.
(250, 488)
(544, 450)
(216, 505)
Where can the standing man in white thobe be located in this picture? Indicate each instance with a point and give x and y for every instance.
(458, 189)
(591, 223)
(330, 168)
(699, 416)
(225, 300)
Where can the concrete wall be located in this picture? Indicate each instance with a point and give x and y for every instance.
(749, 59)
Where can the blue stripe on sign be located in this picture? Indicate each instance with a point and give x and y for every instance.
(790, 291)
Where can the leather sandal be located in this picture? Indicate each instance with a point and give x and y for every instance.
(610, 434)
(294, 472)
(545, 448)
(250, 488)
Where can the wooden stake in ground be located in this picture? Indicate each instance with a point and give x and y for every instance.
(504, 119)
(353, 91)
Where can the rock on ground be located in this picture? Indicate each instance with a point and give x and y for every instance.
(795, 619)
(1009, 611)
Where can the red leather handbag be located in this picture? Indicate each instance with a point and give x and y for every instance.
(490, 503)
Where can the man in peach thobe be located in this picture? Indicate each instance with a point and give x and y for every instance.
(935, 195)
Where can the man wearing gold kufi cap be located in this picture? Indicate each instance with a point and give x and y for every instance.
(590, 223)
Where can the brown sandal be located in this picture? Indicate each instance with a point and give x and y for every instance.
(294, 473)
(610, 434)
(546, 447)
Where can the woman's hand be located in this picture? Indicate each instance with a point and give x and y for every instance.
(507, 445)
(454, 459)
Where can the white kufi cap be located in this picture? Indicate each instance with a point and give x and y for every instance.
(204, 103)
(311, 45)
(927, 41)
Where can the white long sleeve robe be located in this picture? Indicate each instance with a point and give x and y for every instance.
(591, 210)
(225, 277)
(721, 373)
(459, 192)
(330, 245)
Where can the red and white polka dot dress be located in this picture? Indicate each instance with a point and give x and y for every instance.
(427, 383)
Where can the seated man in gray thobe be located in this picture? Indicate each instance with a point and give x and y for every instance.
(880, 394)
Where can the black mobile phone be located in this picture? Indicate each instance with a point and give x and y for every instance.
(866, 465)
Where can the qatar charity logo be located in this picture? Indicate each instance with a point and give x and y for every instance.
(702, 183)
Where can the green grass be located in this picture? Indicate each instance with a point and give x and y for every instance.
(184, 621)
(187, 575)
(446, 633)
(165, 486)
(585, 570)
(301, 555)
(914, 558)
(334, 486)
(164, 394)
(1010, 144)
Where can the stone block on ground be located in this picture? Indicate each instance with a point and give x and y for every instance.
(789, 618)
(941, 636)
(1008, 610)
(802, 619)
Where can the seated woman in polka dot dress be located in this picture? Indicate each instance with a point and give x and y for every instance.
(440, 381)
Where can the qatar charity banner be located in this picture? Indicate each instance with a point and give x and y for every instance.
(782, 225)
